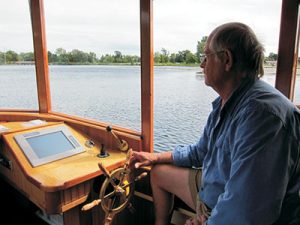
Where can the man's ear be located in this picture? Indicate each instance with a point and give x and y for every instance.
(228, 57)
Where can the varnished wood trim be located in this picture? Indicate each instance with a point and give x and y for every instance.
(146, 21)
(19, 110)
(28, 172)
(86, 177)
(288, 48)
(74, 203)
(95, 130)
(40, 54)
(134, 141)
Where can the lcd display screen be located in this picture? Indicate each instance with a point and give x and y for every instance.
(50, 144)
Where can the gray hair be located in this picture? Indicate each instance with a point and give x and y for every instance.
(240, 40)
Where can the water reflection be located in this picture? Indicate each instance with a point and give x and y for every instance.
(111, 94)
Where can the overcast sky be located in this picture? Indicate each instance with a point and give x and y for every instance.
(104, 26)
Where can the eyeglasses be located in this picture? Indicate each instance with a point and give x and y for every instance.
(204, 56)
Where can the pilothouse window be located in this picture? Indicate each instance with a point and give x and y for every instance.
(94, 56)
(17, 71)
(182, 100)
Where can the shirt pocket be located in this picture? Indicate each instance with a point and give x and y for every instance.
(223, 156)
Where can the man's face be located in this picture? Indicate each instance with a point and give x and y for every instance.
(213, 68)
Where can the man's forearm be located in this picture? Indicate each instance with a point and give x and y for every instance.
(164, 157)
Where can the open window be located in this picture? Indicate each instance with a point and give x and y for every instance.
(182, 100)
(17, 71)
(94, 60)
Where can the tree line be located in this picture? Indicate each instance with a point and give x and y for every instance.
(164, 57)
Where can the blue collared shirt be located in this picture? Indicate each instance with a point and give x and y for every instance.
(249, 154)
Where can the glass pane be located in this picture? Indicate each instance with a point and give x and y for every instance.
(94, 55)
(17, 71)
(182, 101)
(297, 82)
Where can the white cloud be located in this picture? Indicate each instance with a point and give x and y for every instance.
(103, 26)
(181, 25)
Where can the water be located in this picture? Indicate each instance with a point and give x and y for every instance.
(111, 94)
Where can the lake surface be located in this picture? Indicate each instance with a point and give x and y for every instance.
(111, 94)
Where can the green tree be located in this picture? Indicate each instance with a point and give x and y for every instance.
(62, 56)
(173, 58)
(132, 59)
(185, 56)
(60, 51)
(164, 57)
(11, 56)
(272, 56)
(77, 56)
(52, 58)
(200, 48)
(135, 59)
(190, 58)
(106, 59)
(117, 57)
(180, 57)
(157, 57)
(26, 56)
(92, 57)
(2, 58)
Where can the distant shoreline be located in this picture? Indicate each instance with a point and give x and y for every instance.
(113, 64)
(102, 64)
(268, 69)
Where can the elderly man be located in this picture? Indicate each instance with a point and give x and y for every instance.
(249, 149)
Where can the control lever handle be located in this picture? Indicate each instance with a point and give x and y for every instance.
(122, 144)
(103, 153)
(141, 176)
(91, 205)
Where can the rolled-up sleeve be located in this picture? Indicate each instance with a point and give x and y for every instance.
(191, 155)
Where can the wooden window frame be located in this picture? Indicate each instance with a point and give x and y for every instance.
(288, 48)
(42, 70)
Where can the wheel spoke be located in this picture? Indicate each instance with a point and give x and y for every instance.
(109, 195)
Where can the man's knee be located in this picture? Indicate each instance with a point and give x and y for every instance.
(160, 173)
(156, 172)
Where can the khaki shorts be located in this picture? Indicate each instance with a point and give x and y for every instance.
(195, 183)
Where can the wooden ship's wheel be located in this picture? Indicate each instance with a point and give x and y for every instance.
(116, 190)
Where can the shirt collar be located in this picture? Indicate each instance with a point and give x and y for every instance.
(234, 98)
